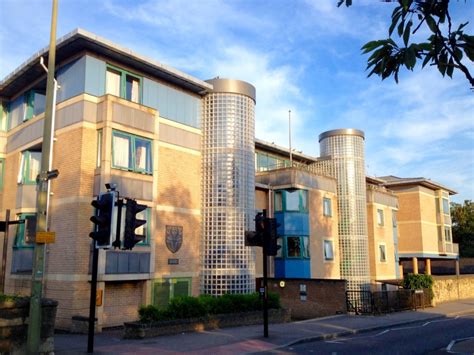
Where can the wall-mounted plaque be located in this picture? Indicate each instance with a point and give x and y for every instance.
(174, 238)
(173, 261)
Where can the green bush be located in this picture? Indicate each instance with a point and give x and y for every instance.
(204, 305)
(6, 298)
(417, 282)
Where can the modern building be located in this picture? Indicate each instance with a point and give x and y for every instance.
(186, 148)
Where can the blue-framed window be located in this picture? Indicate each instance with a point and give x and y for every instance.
(2, 172)
(30, 167)
(327, 208)
(21, 236)
(124, 84)
(291, 201)
(295, 247)
(35, 104)
(132, 153)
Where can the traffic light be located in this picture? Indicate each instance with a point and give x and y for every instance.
(255, 239)
(132, 223)
(271, 237)
(104, 210)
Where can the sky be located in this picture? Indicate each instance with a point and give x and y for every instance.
(302, 56)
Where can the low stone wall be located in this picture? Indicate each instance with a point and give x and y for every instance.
(14, 326)
(452, 288)
(310, 298)
(137, 330)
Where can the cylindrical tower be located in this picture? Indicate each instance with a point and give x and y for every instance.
(228, 187)
(346, 147)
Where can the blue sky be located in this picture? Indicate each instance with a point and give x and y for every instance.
(300, 55)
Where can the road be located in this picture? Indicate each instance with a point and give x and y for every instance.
(432, 337)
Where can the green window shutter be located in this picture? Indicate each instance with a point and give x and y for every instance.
(181, 288)
(161, 294)
(30, 105)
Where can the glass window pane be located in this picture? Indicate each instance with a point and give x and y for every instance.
(380, 217)
(382, 252)
(142, 155)
(280, 251)
(294, 247)
(132, 88)
(142, 230)
(99, 148)
(113, 82)
(35, 166)
(327, 207)
(121, 151)
(305, 247)
(2, 168)
(292, 200)
(278, 201)
(445, 206)
(328, 250)
(304, 200)
(39, 103)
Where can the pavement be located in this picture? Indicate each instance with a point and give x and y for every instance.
(249, 339)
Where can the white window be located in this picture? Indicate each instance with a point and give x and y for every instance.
(123, 84)
(113, 82)
(445, 206)
(30, 167)
(382, 253)
(328, 250)
(327, 207)
(130, 152)
(293, 200)
(447, 234)
(380, 217)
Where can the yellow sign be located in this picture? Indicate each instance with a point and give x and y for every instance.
(98, 297)
(45, 237)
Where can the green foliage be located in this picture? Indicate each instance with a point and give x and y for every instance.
(417, 282)
(7, 298)
(463, 227)
(205, 305)
(445, 47)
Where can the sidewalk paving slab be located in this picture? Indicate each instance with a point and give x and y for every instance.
(249, 339)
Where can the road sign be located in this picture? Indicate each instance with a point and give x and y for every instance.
(45, 237)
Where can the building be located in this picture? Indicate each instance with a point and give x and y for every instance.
(186, 148)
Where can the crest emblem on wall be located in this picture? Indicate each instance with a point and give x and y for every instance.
(174, 238)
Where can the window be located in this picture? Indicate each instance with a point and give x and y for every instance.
(167, 289)
(445, 206)
(99, 148)
(123, 84)
(382, 254)
(145, 229)
(278, 201)
(280, 250)
(25, 231)
(447, 234)
(131, 153)
(328, 250)
(2, 172)
(380, 217)
(297, 247)
(30, 167)
(327, 207)
(35, 104)
(292, 200)
(267, 162)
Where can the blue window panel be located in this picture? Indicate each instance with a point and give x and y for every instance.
(293, 223)
(17, 111)
(71, 78)
(39, 103)
(95, 76)
(296, 269)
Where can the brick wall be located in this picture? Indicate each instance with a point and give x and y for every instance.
(121, 302)
(323, 297)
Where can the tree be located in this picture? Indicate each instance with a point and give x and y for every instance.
(448, 47)
(462, 217)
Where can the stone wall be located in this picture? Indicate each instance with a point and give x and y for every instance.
(310, 298)
(452, 288)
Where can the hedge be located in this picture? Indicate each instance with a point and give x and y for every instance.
(417, 281)
(205, 305)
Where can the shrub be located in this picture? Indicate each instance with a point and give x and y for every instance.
(204, 305)
(418, 281)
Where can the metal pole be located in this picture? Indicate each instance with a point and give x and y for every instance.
(5, 250)
(34, 327)
(265, 284)
(289, 137)
(95, 264)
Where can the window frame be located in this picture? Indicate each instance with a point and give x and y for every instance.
(327, 201)
(445, 211)
(2, 172)
(331, 242)
(301, 207)
(304, 252)
(448, 231)
(25, 165)
(380, 217)
(171, 289)
(123, 82)
(100, 139)
(132, 151)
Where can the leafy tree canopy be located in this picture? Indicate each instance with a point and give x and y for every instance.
(462, 217)
(448, 47)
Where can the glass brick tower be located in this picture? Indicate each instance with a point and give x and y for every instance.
(228, 181)
(346, 147)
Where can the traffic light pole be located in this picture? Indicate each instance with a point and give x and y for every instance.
(95, 266)
(5, 249)
(265, 286)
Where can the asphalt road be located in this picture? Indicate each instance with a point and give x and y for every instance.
(432, 337)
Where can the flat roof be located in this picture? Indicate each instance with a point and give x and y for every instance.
(81, 40)
(393, 181)
(277, 149)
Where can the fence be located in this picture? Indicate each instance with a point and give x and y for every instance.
(368, 302)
